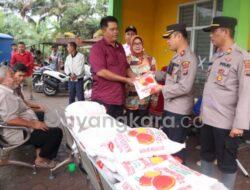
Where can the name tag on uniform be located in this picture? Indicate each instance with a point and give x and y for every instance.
(225, 64)
(171, 67)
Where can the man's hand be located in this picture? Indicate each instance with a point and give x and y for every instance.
(41, 107)
(39, 125)
(38, 108)
(73, 77)
(236, 132)
(130, 81)
(157, 89)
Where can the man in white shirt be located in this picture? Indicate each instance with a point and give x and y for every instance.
(74, 68)
(130, 31)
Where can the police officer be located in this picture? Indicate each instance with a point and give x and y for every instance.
(178, 91)
(226, 102)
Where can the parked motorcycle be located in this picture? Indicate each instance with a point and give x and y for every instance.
(37, 78)
(56, 82)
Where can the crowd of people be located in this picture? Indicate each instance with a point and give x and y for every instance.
(225, 108)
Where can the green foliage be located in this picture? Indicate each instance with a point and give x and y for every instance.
(37, 21)
(1, 22)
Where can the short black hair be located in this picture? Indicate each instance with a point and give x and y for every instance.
(73, 44)
(21, 43)
(131, 28)
(105, 20)
(13, 44)
(183, 33)
(20, 67)
(38, 52)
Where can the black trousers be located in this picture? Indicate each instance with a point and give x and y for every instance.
(217, 144)
(115, 111)
(48, 141)
(135, 117)
(175, 127)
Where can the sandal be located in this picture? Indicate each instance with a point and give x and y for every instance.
(45, 164)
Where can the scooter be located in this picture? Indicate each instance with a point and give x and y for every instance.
(56, 82)
(37, 77)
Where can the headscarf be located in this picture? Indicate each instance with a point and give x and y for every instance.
(131, 46)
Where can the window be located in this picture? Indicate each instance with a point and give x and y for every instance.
(197, 15)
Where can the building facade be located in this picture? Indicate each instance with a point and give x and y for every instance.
(151, 17)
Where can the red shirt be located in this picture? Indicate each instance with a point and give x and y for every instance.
(26, 58)
(105, 56)
(156, 108)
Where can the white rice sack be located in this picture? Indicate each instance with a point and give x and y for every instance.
(170, 174)
(92, 127)
(141, 143)
(110, 175)
(85, 108)
(129, 168)
(83, 114)
(94, 139)
(110, 164)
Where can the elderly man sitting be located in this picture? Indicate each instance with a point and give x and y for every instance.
(14, 111)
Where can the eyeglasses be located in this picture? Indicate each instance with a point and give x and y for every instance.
(137, 44)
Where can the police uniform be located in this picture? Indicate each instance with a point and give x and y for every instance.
(226, 103)
(178, 91)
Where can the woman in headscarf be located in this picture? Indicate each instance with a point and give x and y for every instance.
(140, 63)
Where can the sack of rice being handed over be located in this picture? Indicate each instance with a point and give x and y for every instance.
(170, 174)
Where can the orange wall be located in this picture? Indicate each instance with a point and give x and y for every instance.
(151, 18)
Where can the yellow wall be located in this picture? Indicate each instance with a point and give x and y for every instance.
(140, 13)
(151, 17)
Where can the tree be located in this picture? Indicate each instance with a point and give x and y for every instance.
(1, 22)
(42, 20)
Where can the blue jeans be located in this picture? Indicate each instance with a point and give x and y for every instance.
(76, 89)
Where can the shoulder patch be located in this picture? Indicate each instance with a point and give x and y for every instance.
(185, 66)
(247, 67)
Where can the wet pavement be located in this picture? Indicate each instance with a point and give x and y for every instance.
(19, 178)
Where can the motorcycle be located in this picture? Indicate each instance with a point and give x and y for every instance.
(56, 82)
(37, 77)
